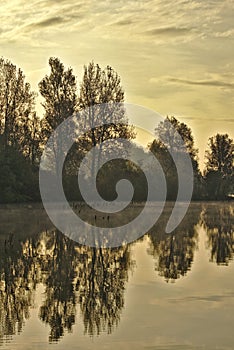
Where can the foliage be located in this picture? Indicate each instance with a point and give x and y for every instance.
(18, 179)
(168, 140)
(101, 97)
(19, 124)
(100, 110)
(219, 171)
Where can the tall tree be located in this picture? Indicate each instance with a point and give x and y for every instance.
(17, 103)
(219, 170)
(59, 91)
(101, 95)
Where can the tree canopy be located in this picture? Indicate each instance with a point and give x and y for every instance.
(99, 104)
(219, 166)
(169, 134)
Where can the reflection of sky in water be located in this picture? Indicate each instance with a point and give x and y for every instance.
(194, 312)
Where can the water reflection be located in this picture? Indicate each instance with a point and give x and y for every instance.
(173, 253)
(91, 283)
(102, 284)
(18, 280)
(94, 279)
(57, 265)
(218, 222)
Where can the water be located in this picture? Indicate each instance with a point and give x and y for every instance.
(163, 292)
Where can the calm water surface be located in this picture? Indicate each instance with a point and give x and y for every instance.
(163, 292)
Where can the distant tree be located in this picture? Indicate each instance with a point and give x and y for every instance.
(168, 141)
(166, 131)
(98, 87)
(219, 171)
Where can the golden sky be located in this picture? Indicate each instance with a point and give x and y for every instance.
(175, 57)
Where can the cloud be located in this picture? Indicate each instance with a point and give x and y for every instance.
(53, 21)
(169, 31)
(216, 120)
(173, 19)
(124, 22)
(225, 34)
(211, 82)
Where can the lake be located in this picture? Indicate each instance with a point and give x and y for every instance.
(162, 292)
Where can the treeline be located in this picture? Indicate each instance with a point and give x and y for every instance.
(23, 135)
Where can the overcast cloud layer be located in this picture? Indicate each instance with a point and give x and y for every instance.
(173, 56)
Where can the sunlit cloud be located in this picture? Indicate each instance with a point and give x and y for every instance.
(169, 31)
(53, 21)
(174, 57)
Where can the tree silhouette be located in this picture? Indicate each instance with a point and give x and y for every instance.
(101, 95)
(59, 92)
(19, 124)
(166, 131)
(219, 170)
(168, 135)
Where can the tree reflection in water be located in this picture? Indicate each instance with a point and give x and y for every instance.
(218, 222)
(58, 273)
(72, 274)
(88, 282)
(18, 280)
(174, 252)
(101, 284)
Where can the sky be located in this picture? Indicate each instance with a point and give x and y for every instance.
(175, 57)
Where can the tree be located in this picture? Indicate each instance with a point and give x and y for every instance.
(18, 121)
(101, 97)
(59, 92)
(167, 142)
(168, 131)
(219, 166)
(18, 179)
